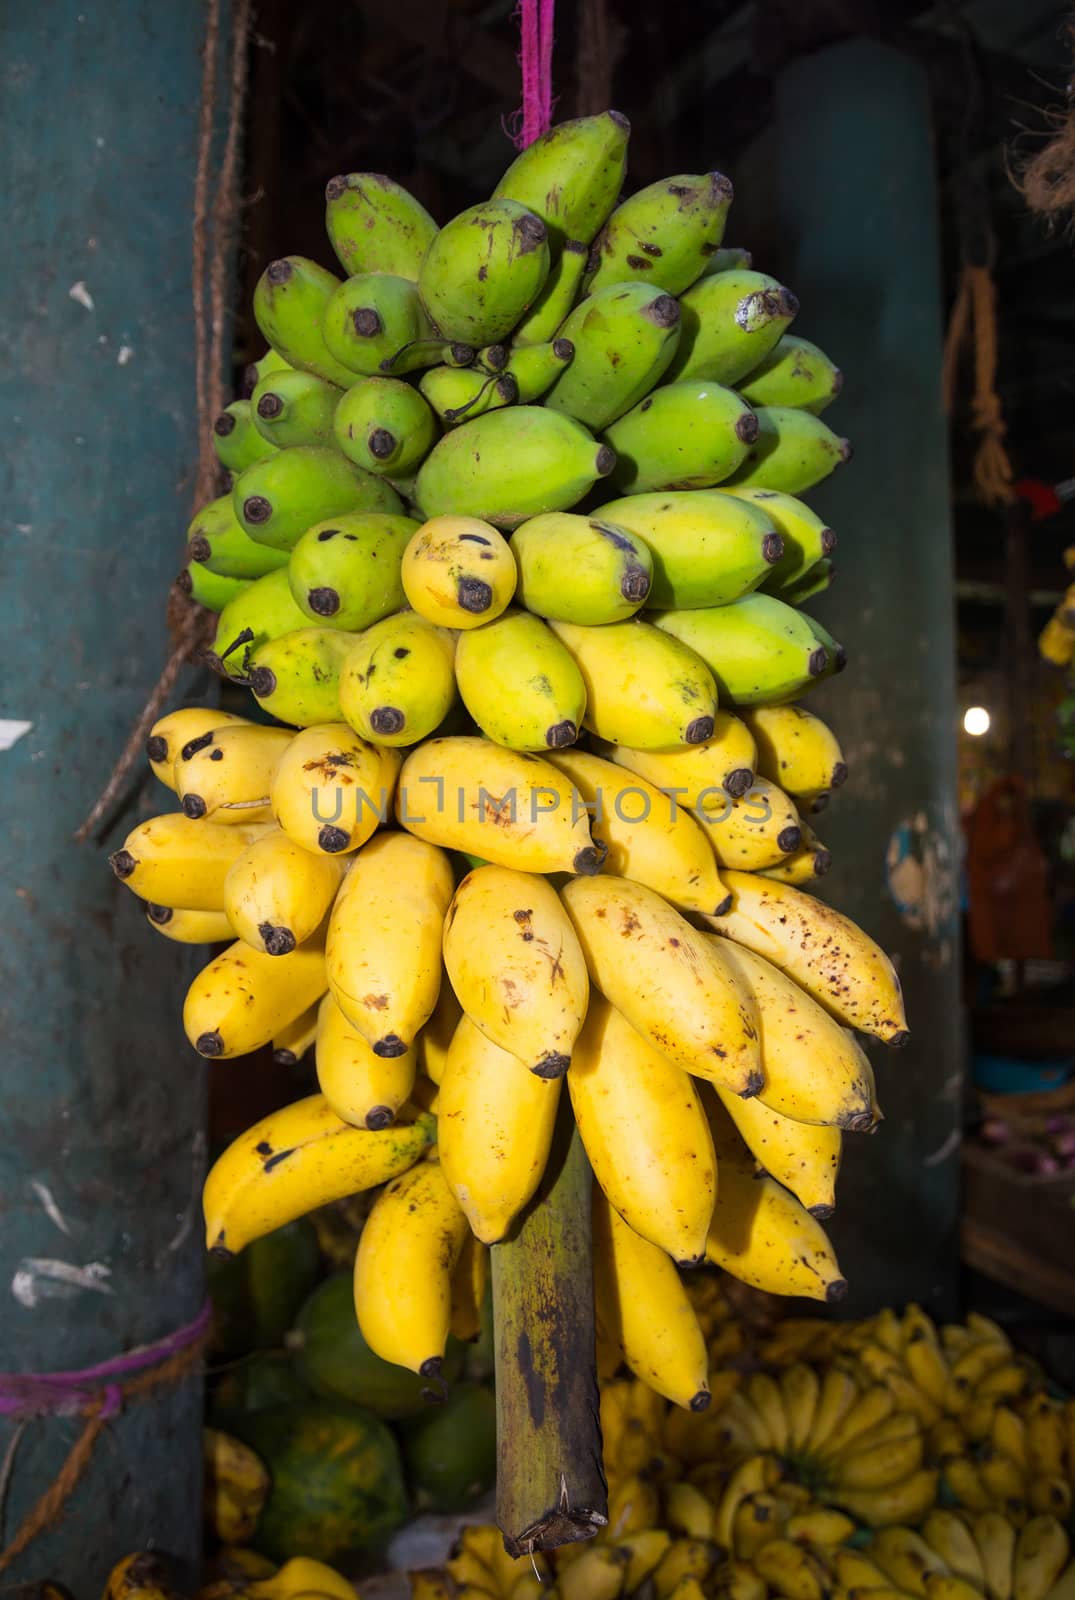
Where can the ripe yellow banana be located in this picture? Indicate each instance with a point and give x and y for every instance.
(748, 1477)
(764, 1394)
(905, 1501)
(170, 733)
(796, 750)
(754, 830)
(435, 1038)
(837, 1394)
(1041, 1553)
(495, 1123)
(184, 926)
(403, 1269)
(174, 862)
(277, 894)
(668, 981)
(642, 684)
(687, 1510)
(792, 1570)
(799, 1389)
(227, 773)
(811, 860)
(362, 1087)
(332, 790)
(295, 1160)
(962, 1477)
(697, 775)
(953, 1541)
(907, 1558)
(301, 1578)
(384, 935)
(293, 1040)
(995, 1537)
(803, 1156)
(823, 1526)
(884, 1458)
(1046, 1444)
(244, 996)
(516, 965)
(644, 1132)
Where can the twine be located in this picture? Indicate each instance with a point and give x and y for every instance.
(97, 1393)
(215, 220)
(974, 315)
(535, 19)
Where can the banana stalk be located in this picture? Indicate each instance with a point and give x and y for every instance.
(550, 1482)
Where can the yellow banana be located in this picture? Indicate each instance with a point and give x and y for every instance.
(516, 965)
(905, 1501)
(458, 572)
(837, 1394)
(184, 926)
(434, 1039)
(331, 789)
(684, 1559)
(429, 1583)
(295, 1160)
(763, 1392)
(803, 1156)
(953, 1541)
(174, 862)
(1050, 1496)
(754, 830)
(907, 1558)
(927, 1365)
(995, 1537)
(791, 1570)
(855, 1570)
(1009, 1436)
(1004, 1479)
(748, 1477)
(276, 894)
(597, 1574)
(641, 684)
(362, 1087)
(302, 1578)
(243, 997)
(170, 733)
(496, 1123)
(291, 1043)
(1004, 1382)
(820, 1525)
(687, 1510)
(885, 1461)
(699, 774)
(811, 860)
(235, 1486)
(403, 1270)
(469, 1282)
(1041, 1553)
(383, 945)
(800, 1388)
(1046, 1445)
(644, 1132)
(670, 982)
(963, 1478)
(796, 750)
(758, 1520)
(738, 1580)
(873, 1406)
(227, 773)
(946, 1586)
(644, 1550)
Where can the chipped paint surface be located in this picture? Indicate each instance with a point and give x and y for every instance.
(40, 1278)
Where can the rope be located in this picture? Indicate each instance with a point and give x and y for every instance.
(974, 316)
(215, 221)
(535, 19)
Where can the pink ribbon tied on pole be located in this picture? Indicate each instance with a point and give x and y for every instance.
(535, 19)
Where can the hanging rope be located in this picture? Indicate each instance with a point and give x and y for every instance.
(974, 320)
(535, 19)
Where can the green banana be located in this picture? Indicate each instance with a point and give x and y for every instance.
(552, 305)
(731, 321)
(345, 572)
(638, 690)
(397, 682)
(217, 540)
(835, 651)
(793, 451)
(289, 304)
(729, 258)
(506, 376)
(758, 648)
(295, 408)
(519, 683)
(794, 373)
(816, 581)
(624, 337)
(384, 426)
(663, 234)
(511, 465)
(484, 270)
(296, 677)
(458, 394)
(376, 323)
(805, 535)
(571, 175)
(209, 589)
(375, 225)
(236, 440)
(685, 436)
(611, 570)
(278, 499)
(708, 548)
(254, 371)
(536, 367)
(262, 610)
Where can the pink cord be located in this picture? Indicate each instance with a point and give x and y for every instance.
(535, 18)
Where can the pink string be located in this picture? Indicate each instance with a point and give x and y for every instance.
(35, 1394)
(535, 19)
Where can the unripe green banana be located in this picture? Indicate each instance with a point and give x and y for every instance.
(458, 394)
(792, 452)
(794, 373)
(610, 569)
(289, 304)
(542, 321)
(664, 234)
(375, 225)
(571, 175)
(295, 408)
(520, 684)
(397, 683)
(729, 258)
(271, 361)
(384, 426)
(837, 655)
(262, 610)
(685, 436)
(536, 367)
(731, 321)
(236, 440)
(345, 572)
(296, 677)
(209, 589)
(708, 548)
(510, 465)
(216, 539)
(638, 691)
(816, 581)
(805, 534)
(278, 499)
(375, 324)
(624, 337)
(484, 270)
(758, 648)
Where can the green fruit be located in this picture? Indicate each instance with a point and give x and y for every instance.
(337, 1481)
(271, 361)
(375, 323)
(289, 304)
(640, 692)
(216, 539)
(535, 368)
(458, 394)
(277, 500)
(806, 537)
(265, 1379)
(256, 1294)
(385, 426)
(450, 1455)
(295, 408)
(794, 373)
(376, 226)
(237, 442)
(484, 270)
(610, 568)
(554, 302)
(624, 337)
(758, 648)
(263, 609)
(793, 451)
(333, 1359)
(397, 683)
(664, 234)
(345, 572)
(816, 581)
(731, 321)
(571, 175)
(520, 684)
(684, 436)
(209, 589)
(296, 678)
(729, 258)
(708, 548)
(511, 465)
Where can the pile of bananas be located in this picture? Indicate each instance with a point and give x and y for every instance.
(625, 795)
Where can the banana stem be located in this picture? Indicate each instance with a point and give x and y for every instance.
(550, 1481)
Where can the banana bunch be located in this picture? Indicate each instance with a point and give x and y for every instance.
(235, 1486)
(963, 1556)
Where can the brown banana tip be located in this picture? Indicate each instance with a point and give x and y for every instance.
(250, 380)
(772, 548)
(620, 120)
(199, 548)
(433, 1368)
(789, 840)
(184, 583)
(380, 1117)
(270, 406)
(474, 595)
(507, 388)
(822, 862)
(285, 1058)
(262, 682)
(828, 541)
(496, 357)
(277, 941)
(533, 231)
(663, 312)
(257, 509)
(604, 461)
(381, 443)
(755, 1085)
(691, 1261)
(564, 349)
(551, 1066)
(590, 859)
(789, 303)
(635, 585)
(822, 1212)
(390, 1047)
(837, 382)
(699, 731)
(387, 720)
(323, 602)
(837, 1290)
(700, 1401)
(224, 425)
(724, 907)
(332, 840)
(861, 1122)
(845, 451)
(899, 1039)
(561, 734)
(194, 807)
(738, 782)
(335, 187)
(159, 915)
(747, 427)
(157, 747)
(278, 271)
(820, 802)
(462, 354)
(209, 1044)
(817, 662)
(367, 322)
(840, 659)
(839, 775)
(219, 1251)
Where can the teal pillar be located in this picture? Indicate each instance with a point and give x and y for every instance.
(857, 201)
(102, 1108)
